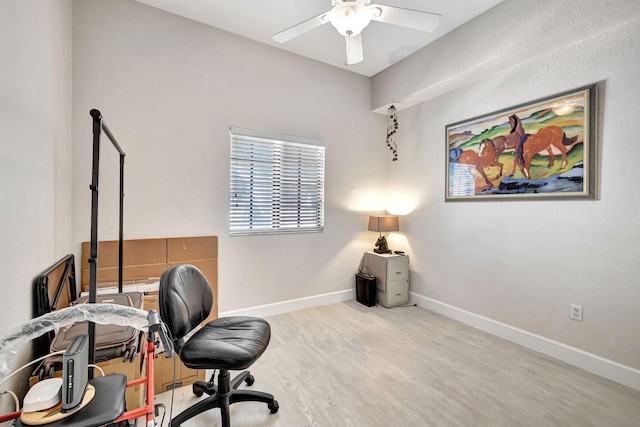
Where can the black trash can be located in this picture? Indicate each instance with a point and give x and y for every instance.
(366, 289)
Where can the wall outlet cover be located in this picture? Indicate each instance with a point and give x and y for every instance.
(576, 312)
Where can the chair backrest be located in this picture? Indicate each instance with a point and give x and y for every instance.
(185, 299)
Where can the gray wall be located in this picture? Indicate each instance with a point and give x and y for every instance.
(523, 263)
(170, 88)
(35, 152)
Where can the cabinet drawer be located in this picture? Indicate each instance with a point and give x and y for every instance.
(398, 292)
(397, 269)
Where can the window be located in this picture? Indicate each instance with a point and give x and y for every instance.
(277, 183)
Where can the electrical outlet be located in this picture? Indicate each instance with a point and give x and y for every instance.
(576, 312)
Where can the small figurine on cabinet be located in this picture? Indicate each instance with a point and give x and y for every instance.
(381, 246)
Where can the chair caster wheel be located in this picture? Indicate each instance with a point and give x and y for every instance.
(197, 391)
(274, 406)
(249, 380)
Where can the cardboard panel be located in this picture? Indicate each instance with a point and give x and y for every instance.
(135, 252)
(128, 273)
(85, 287)
(133, 370)
(183, 249)
(147, 280)
(164, 375)
(152, 302)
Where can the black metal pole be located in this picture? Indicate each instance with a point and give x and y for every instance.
(107, 131)
(100, 125)
(93, 255)
(121, 222)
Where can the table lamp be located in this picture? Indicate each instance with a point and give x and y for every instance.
(381, 224)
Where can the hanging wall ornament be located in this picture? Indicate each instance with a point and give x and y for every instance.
(392, 128)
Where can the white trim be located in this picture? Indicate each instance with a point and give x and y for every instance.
(293, 305)
(600, 366)
(273, 136)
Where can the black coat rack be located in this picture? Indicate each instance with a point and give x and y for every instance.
(100, 125)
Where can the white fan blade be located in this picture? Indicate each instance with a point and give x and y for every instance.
(416, 19)
(354, 49)
(301, 28)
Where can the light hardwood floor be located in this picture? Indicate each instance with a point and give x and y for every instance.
(349, 365)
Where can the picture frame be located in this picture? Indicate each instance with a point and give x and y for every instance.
(543, 149)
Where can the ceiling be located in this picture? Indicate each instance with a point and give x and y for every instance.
(383, 44)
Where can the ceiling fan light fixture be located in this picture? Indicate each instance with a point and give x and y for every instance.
(350, 18)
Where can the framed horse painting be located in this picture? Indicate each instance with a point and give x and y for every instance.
(544, 149)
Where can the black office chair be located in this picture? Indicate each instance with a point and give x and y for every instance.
(228, 343)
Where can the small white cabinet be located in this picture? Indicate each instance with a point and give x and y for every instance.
(392, 277)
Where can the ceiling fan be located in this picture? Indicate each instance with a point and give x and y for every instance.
(350, 17)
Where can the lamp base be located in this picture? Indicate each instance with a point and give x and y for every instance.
(380, 251)
(381, 246)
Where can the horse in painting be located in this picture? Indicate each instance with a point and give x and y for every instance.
(484, 158)
(544, 140)
(510, 141)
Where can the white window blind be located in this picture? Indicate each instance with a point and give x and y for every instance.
(277, 184)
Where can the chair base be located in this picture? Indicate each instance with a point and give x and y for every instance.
(223, 395)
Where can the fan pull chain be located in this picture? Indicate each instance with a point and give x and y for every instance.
(348, 37)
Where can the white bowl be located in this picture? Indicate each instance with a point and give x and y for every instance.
(43, 395)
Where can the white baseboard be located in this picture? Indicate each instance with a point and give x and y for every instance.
(600, 366)
(293, 305)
